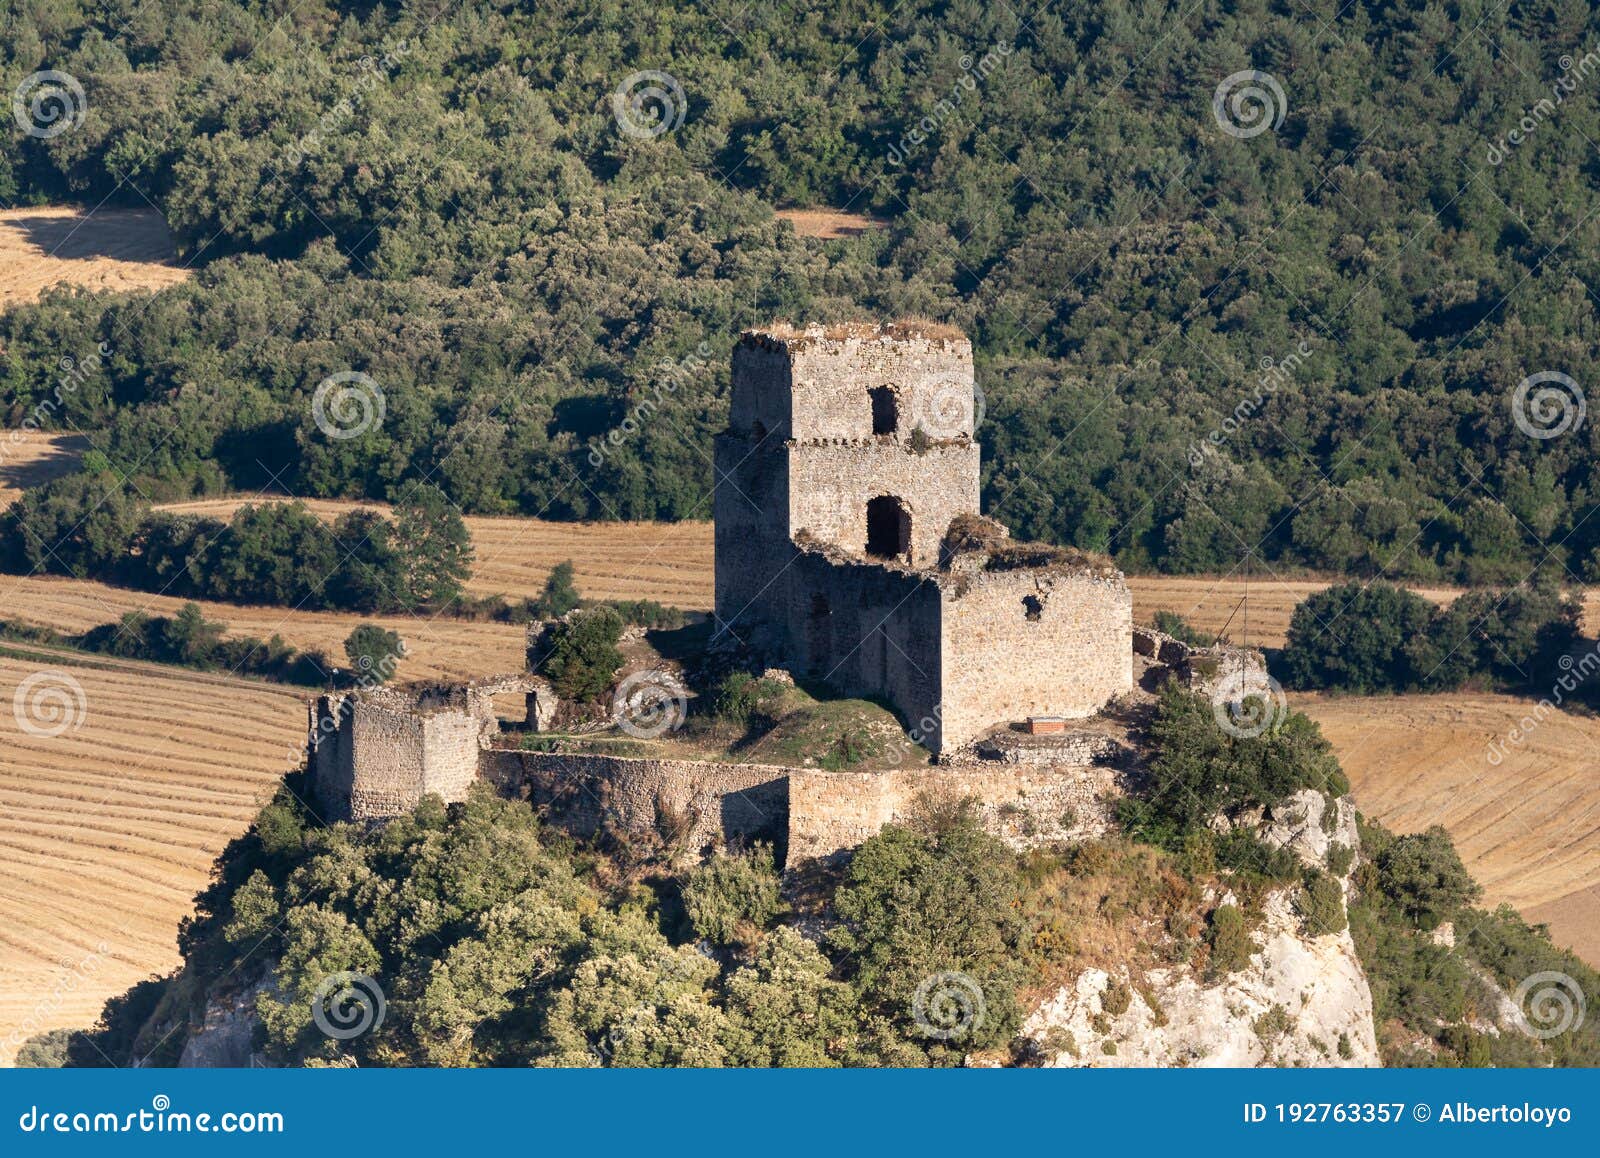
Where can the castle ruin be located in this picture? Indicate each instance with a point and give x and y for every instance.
(850, 550)
(849, 544)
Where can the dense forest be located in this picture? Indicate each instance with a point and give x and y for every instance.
(1193, 343)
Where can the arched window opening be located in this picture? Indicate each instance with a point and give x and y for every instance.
(888, 528)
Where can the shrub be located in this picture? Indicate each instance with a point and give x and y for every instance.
(731, 898)
(1229, 939)
(374, 651)
(1320, 905)
(583, 659)
(1178, 627)
(1199, 770)
(560, 594)
(1422, 874)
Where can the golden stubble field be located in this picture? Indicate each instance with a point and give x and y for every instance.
(119, 784)
(106, 249)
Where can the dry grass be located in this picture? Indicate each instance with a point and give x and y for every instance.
(110, 249)
(30, 458)
(829, 224)
(1528, 829)
(108, 831)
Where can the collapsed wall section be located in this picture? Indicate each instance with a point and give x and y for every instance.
(1030, 642)
(696, 803)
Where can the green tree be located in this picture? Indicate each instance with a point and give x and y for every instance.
(1422, 874)
(433, 546)
(374, 651)
(583, 660)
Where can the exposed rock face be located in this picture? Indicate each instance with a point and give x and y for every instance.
(1307, 823)
(1301, 1001)
(223, 1040)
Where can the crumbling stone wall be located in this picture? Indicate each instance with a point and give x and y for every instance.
(376, 753)
(831, 813)
(831, 484)
(1031, 643)
(581, 794)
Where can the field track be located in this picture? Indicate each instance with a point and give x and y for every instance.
(109, 249)
(108, 829)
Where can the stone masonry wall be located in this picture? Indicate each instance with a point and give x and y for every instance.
(831, 484)
(374, 755)
(813, 384)
(999, 665)
(580, 793)
(866, 630)
(833, 812)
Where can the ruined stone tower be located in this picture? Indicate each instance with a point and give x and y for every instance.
(848, 542)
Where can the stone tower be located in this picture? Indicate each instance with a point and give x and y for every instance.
(855, 437)
(849, 545)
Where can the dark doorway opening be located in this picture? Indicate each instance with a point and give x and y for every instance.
(888, 527)
(885, 415)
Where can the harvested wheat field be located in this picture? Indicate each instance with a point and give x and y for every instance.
(102, 249)
(108, 828)
(436, 648)
(1529, 828)
(30, 458)
(829, 224)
